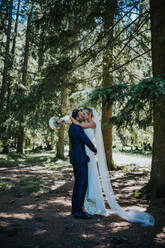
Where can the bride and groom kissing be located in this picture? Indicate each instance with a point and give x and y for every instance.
(92, 180)
(79, 159)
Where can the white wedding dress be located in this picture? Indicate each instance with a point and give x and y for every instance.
(94, 201)
(99, 183)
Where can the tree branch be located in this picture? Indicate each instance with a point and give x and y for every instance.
(120, 66)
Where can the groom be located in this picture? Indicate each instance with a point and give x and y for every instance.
(79, 160)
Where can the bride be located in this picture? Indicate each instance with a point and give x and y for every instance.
(98, 176)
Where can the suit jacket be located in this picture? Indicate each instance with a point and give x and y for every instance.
(78, 140)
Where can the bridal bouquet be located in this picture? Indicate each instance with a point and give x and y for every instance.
(55, 123)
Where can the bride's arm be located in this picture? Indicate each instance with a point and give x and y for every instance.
(91, 124)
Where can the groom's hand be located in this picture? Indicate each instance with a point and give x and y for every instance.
(95, 153)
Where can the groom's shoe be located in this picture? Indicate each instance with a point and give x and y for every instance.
(82, 216)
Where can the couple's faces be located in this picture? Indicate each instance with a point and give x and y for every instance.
(83, 115)
(80, 115)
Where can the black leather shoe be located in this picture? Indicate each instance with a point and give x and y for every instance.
(77, 212)
(82, 216)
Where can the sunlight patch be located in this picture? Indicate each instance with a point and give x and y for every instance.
(23, 216)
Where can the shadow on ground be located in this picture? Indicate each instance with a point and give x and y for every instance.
(41, 218)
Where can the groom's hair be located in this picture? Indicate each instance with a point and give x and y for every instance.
(75, 113)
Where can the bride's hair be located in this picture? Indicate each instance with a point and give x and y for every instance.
(88, 110)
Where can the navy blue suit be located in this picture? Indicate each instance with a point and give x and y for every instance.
(79, 159)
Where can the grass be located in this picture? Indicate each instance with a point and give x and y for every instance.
(52, 166)
(32, 184)
(28, 158)
(48, 161)
(144, 193)
(135, 152)
(126, 171)
(29, 184)
(5, 184)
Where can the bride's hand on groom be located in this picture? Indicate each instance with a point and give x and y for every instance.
(60, 122)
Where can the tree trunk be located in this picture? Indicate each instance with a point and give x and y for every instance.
(157, 182)
(6, 63)
(9, 83)
(12, 58)
(108, 80)
(21, 134)
(20, 140)
(64, 97)
(60, 142)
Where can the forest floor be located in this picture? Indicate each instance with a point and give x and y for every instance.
(35, 207)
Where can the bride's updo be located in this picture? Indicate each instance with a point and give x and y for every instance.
(88, 111)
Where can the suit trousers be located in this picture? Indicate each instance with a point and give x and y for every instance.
(80, 187)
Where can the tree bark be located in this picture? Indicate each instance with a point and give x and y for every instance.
(9, 83)
(6, 63)
(21, 134)
(20, 139)
(108, 80)
(64, 98)
(157, 182)
(60, 142)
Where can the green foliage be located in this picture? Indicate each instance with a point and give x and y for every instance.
(116, 92)
(66, 41)
(136, 101)
(150, 88)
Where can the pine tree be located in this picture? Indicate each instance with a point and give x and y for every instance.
(6, 62)
(20, 141)
(157, 181)
(108, 18)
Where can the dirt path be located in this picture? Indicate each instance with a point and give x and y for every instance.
(35, 211)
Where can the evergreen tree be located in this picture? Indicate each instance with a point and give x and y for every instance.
(6, 61)
(158, 53)
(108, 19)
(20, 142)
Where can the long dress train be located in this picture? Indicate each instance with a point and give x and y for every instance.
(99, 182)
